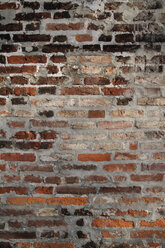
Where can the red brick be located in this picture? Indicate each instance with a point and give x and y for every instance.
(80, 91)
(147, 178)
(22, 69)
(2, 167)
(19, 80)
(44, 190)
(16, 123)
(156, 223)
(80, 190)
(94, 157)
(145, 234)
(62, 26)
(68, 201)
(58, 59)
(17, 190)
(48, 135)
(29, 157)
(25, 91)
(117, 91)
(83, 37)
(9, 5)
(26, 59)
(146, 200)
(32, 179)
(25, 200)
(120, 167)
(25, 135)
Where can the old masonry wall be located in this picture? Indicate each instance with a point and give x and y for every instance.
(82, 124)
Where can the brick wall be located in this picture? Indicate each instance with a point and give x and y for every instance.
(82, 124)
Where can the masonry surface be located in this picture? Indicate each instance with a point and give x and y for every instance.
(82, 124)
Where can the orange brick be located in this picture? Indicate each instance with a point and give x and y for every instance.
(112, 223)
(68, 201)
(94, 157)
(83, 37)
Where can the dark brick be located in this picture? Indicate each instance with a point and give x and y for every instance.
(123, 101)
(8, 48)
(61, 15)
(52, 48)
(32, 16)
(83, 212)
(5, 144)
(64, 211)
(15, 212)
(30, 37)
(75, 190)
(119, 81)
(33, 145)
(60, 38)
(123, 38)
(17, 235)
(32, 26)
(92, 47)
(11, 27)
(92, 26)
(4, 37)
(118, 17)
(119, 190)
(59, 5)
(5, 245)
(47, 90)
(150, 38)
(78, 167)
(103, 16)
(48, 113)
(2, 59)
(105, 38)
(47, 234)
(18, 101)
(96, 81)
(118, 48)
(31, 5)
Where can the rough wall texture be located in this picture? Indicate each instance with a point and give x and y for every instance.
(82, 124)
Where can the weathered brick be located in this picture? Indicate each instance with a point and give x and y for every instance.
(83, 37)
(94, 157)
(79, 201)
(32, 16)
(26, 59)
(112, 223)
